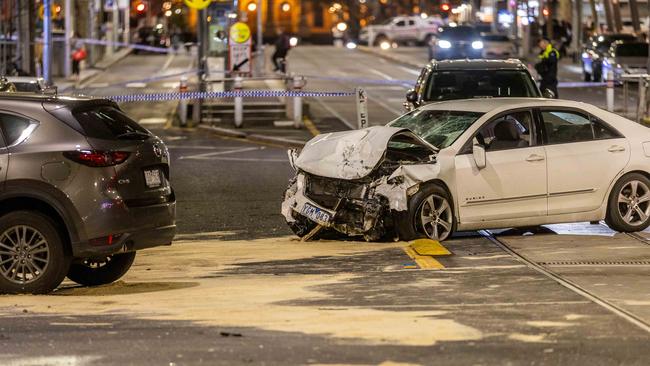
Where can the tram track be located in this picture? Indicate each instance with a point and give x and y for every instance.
(591, 296)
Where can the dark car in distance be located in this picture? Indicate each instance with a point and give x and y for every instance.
(82, 188)
(456, 43)
(596, 49)
(468, 79)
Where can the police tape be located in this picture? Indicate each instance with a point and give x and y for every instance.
(100, 42)
(157, 97)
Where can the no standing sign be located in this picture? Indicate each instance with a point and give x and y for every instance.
(240, 49)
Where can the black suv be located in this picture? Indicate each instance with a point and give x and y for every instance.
(82, 187)
(466, 79)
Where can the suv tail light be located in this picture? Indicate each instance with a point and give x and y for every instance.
(95, 158)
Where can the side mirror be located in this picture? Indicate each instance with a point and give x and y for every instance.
(548, 94)
(412, 96)
(478, 151)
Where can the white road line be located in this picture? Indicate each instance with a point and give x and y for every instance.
(170, 58)
(386, 106)
(171, 84)
(152, 120)
(410, 71)
(267, 160)
(385, 87)
(385, 76)
(210, 155)
(335, 113)
(98, 85)
(136, 85)
(198, 147)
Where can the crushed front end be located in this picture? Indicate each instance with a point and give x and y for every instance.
(354, 192)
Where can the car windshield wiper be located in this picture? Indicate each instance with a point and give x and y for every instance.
(133, 134)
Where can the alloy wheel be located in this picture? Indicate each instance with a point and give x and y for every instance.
(634, 203)
(24, 254)
(436, 217)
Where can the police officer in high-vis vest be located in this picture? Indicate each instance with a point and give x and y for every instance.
(547, 66)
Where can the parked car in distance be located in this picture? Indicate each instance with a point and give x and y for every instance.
(401, 29)
(626, 58)
(474, 164)
(457, 42)
(498, 46)
(82, 188)
(595, 50)
(462, 79)
(151, 36)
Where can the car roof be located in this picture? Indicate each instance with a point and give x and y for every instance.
(484, 105)
(53, 99)
(478, 64)
(23, 79)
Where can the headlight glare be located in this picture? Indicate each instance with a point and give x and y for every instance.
(477, 45)
(444, 44)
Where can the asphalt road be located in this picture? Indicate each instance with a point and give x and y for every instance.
(237, 288)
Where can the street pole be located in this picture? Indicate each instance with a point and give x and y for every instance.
(127, 23)
(607, 4)
(634, 13)
(47, 41)
(68, 38)
(116, 25)
(261, 62)
(576, 19)
(616, 9)
(594, 16)
(201, 47)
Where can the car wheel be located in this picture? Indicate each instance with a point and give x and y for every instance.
(587, 76)
(101, 271)
(430, 215)
(628, 207)
(33, 258)
(379, 39)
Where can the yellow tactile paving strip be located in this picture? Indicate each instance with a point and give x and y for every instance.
(422, 252)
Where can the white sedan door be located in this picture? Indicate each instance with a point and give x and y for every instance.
(584, 156)
(513, 183)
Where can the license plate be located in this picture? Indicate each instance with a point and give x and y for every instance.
(315, 214)
(152, 178)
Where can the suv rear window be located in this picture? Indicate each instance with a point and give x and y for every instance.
(632, 50)
(109, 123)
(467, 84)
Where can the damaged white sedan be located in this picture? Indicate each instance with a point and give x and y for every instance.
(473, 164)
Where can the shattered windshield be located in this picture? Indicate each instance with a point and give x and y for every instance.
(439, 128)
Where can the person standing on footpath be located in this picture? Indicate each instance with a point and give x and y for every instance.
(282, 46)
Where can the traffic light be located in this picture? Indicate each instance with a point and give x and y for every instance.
(141, 7)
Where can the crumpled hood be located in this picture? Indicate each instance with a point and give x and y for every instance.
(346, 155)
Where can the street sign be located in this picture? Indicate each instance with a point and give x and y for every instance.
(362, 107)
(239, 47)
(198, 4)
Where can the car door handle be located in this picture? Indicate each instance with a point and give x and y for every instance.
(616, 148)
(534, 157)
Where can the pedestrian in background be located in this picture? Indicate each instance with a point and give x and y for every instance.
(546, 67)
(78, 55)
(282, 46)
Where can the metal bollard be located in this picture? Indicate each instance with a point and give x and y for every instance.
(610, 91)
(362, 107)
(642, 105)
(182, 107)
(298, 83)
(239, 102)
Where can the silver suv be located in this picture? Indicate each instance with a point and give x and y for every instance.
(82, 187)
